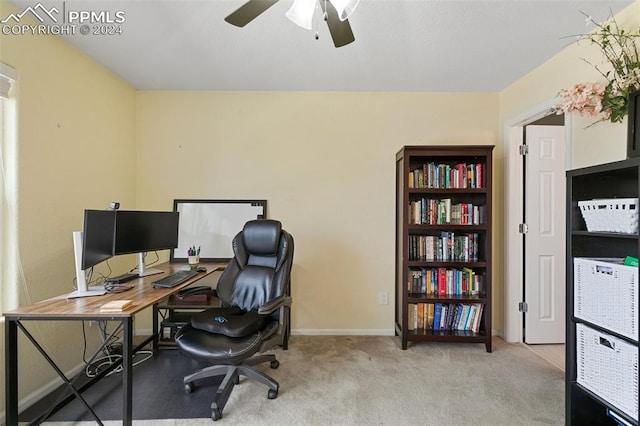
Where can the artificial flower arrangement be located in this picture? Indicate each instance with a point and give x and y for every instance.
(607, 99)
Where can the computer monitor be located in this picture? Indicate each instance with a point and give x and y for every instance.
(92, 245)
(98, 236)
(139, 232)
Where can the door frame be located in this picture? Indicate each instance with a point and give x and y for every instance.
(513, 137)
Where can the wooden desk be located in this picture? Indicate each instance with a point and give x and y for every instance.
(88, 309)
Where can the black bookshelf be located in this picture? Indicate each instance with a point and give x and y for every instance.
(607, 181)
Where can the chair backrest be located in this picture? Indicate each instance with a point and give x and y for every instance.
(261, 267)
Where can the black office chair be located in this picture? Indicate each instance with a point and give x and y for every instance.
(254, 317)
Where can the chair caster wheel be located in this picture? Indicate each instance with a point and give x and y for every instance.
(188, 387)
(273, 394)
(275, 364)
(236, 381)
(216, 414)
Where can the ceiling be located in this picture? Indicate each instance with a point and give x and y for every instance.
(401, 45)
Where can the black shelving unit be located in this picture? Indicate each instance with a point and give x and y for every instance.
(584, 406)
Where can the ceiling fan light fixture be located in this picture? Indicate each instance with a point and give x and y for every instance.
(345, 8)
(301, 13)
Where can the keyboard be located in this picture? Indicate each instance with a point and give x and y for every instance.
(174, 279)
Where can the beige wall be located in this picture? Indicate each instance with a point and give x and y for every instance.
(326, 164)
(76, 150)
(597, 144)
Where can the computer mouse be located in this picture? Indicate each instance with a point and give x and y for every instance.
(201, 269)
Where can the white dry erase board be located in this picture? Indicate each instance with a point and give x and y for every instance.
(210, 225)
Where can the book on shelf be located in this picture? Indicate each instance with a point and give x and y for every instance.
(442, 282)
(420, 316)
(427, 211)
(429, 310)
(476, 324)
(464, 317)
(446, 247)
(115, 306)
(437, 310)
(456, 321)
(444, 316)
(472, 313)
(458, 175)
(411, 316)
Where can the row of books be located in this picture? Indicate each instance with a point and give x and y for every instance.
(443, 282)
(426, 211)
(447, 247)
(445, 316)
(461, 175)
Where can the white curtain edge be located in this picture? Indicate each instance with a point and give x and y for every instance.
(8, 72)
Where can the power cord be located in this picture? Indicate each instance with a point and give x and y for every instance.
(94, 369)
(155, 261)
(112, 349)
(116, 288)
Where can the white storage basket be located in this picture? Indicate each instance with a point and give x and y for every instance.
(605, 292)
(610, 215)
(608, 367)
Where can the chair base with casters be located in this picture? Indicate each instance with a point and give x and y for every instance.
(221, 349)
(232, 375)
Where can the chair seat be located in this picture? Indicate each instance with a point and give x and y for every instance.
(220, 349)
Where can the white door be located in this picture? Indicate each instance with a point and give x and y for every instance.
(544, 266)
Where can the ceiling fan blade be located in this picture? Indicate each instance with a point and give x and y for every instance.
(340, 30)
(248, 12)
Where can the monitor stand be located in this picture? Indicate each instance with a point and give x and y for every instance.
(142, 271)
(89, 292)
(83, 289)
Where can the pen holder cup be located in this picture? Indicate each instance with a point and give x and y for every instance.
(193, 261)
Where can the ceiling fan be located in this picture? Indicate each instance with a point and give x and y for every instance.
(335, 14)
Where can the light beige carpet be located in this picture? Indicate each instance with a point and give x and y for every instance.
(369, 380)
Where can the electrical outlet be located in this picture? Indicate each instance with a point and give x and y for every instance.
(383, 298)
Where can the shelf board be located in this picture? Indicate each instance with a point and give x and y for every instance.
(450, 298)
(606, 404)
(447, 227)
(167, 344)
(447, 190)
(435, 264)
(445, 336)
(604, 234)
(577, 320)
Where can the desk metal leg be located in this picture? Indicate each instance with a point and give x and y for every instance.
(155, 330)
(69, 383)
(11, 370)
(127, 371)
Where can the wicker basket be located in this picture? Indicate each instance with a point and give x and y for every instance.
(610, 215)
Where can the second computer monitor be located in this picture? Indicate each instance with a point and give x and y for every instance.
(140, 231)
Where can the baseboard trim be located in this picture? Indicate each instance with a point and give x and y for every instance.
(40, 393)
(323, 332)
(342, 332)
